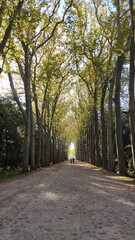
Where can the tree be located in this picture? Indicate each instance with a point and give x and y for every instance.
(119, 66)
(29, 44)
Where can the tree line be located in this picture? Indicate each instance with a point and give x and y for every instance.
(85, 48)
(103, 48)
(29, 50)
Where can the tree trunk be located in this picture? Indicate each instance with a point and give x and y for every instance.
(97, 149)
(47, 149)
(88, 144)
(32, 143)
(28, 110)
(103, 129)
(26, 146)
(42, 146)
(92, 145)
(132, 82)
(120, 62)
(119, 139)
(111, 166)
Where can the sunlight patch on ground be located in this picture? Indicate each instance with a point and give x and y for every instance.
(50, 196)
(131, 204)
(128, 179)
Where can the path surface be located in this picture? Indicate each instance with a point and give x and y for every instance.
(67, 202)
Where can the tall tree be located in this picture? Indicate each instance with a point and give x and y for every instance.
(36, 32)
(119, 66)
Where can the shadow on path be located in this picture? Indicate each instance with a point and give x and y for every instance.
(67, 202)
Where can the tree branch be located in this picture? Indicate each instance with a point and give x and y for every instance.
(55, 26)
(9, 27)
(16, 96)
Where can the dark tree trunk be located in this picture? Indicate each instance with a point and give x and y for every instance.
(119, 139)
(132, 81)
(88, 144)
(39, 161)
(120, 62)
(111, 166)
(28, 109)
(92, 145)
(32, 143)
(42, 147)
(103, 129)
(97, 149)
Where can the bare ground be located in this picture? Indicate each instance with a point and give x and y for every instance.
(67, 202)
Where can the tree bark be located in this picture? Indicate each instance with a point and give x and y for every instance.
(111, 166)
(119, 139)
(132, 81)
(97, 149)
(92, 145)
(103, 129)
(32, 142)
(28, 110)
(119, 65)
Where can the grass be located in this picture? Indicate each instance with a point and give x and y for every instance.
(114, 175)
(9, 173)
(123, 178)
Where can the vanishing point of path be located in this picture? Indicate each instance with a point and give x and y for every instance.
(67, 202)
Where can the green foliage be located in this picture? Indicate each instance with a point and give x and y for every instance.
(72, 152)
(9, 173)
(11, 134)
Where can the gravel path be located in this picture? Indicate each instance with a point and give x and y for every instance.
(67, 202)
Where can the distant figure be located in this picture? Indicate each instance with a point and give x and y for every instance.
(70, 160)
(73, 160)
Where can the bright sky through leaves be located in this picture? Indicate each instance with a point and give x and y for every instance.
(71, 146)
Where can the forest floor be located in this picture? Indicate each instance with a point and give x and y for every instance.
(67, 202)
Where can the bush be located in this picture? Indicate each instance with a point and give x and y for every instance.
(11, 134)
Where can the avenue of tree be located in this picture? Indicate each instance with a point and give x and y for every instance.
(71, 69)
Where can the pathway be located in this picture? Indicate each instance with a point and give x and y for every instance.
(67, 202)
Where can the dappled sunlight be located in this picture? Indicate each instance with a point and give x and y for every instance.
(108, 177)
(130, 204)
(108, 186)
(41, 185)
(113, 196)
(50, 196)
(127, 180)
(88, 166)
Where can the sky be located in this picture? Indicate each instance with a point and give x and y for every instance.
(71, 146)
(4, 84)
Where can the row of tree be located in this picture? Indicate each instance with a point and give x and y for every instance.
(68, 65)
(102, 43)
(36, 66)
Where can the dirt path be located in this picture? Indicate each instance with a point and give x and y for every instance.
(67, 202)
